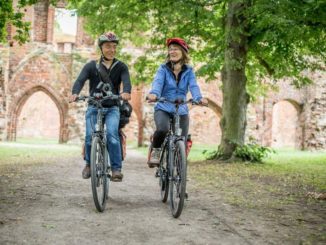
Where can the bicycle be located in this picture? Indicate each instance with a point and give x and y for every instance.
(99, 159)
(172, 171)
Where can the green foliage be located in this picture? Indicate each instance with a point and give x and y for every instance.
(145, 66)
(10, 14)
(283, 36)
(284, 39)
(211, 155)
(252, 152)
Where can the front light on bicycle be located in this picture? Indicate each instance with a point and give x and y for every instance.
(97, 127)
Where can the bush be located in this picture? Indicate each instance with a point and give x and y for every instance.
(252, 152)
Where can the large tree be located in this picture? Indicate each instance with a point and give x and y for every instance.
(246, 40)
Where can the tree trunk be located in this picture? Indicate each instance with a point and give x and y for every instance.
(235, 97)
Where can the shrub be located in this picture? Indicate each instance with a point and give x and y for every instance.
(252, 152)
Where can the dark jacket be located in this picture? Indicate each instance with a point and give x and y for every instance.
(119, 73)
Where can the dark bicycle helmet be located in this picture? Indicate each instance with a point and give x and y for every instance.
(179, 41)
(108, 37)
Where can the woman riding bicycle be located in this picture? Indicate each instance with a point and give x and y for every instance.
(118, 73)
(172, 81)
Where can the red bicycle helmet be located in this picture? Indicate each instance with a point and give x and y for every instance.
(107, 37)
(179, 41)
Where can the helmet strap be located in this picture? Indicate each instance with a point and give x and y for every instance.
(103, 57)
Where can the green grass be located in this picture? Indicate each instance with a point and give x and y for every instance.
(34, 151)
(283, 177)
(309, 167)
(34, 141)
(196, 152)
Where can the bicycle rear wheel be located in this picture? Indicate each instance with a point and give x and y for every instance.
(163, 174)
(178, 173)
(98, 174)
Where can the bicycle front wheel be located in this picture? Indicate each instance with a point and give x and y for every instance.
(98, 174)
(178, 173)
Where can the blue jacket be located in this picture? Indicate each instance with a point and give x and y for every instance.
(165, 85)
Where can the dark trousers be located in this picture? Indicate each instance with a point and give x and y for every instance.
(162, 122)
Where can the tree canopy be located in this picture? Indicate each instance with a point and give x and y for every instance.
(283, 36)
(246, 40)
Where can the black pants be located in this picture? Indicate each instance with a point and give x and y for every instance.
(162, 122)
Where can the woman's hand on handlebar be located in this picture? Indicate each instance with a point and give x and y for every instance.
(151, 98)
(203, 102)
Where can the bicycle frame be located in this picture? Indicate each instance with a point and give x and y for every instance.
(100, 133)
(100, 165)
(174, 135)
(172, 175)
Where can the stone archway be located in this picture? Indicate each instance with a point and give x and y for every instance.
(39, 119)
(205, 123)
(40, 70)
(20, 102)
(286, 126)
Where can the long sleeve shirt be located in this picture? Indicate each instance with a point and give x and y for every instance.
(118, 74)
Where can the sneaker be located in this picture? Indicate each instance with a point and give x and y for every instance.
(154, 160)
(86, 172)
(117, 176)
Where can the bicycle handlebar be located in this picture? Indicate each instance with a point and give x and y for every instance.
(99, 98)
(177, 101)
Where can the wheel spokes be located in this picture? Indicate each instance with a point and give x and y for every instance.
(99, 180)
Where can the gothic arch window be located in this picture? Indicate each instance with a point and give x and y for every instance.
(18, 106)
(286, 124)
(39, 118)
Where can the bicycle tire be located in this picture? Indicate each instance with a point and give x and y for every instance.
(163, 173)
(178, 174)
(99, 178)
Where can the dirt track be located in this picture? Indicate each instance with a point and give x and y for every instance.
(52, 204)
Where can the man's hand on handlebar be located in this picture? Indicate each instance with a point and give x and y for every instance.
(125, 96)
(73, 98)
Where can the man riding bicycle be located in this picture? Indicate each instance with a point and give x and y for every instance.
(172, 81)
(115, 72)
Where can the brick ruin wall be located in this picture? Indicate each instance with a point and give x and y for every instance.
(289, 117)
